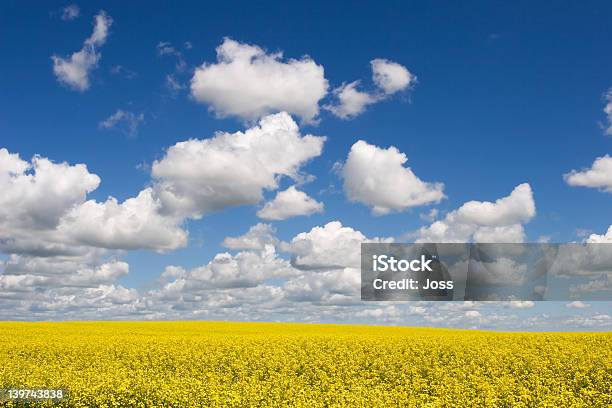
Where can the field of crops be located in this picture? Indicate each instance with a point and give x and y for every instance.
(183, 364)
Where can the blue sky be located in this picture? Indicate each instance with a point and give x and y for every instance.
(505, 93)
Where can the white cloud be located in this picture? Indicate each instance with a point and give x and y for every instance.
(598, 176)
(256, 238)
(133, 224)
(499, 221)
(377, 177)
(63, 287)
(351, 101)
(70, 12)
(577, 304)
(603, 238)
(326, 287)
(472, 314)
(231, 169)
(30, 273)
(521, 304)
(74, 71)
(226, 271)
(127, 121)
(329, 246)
(249, 83)
(35, 195)
(516, 208)
(289, 203)
(390, 76)
(43, 209)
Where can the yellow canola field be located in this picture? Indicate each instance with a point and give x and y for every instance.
(211, 364)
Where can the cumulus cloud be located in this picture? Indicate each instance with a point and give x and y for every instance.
(390, 76)
(377, 178)
(70, 12)
(227, 271)
(36, 194)
(601, 238)
(577, 304)
(43, 209)
(330, 246)
(256, 238)
(74, 71)
(249, 83)
(128, 122)
(513, 209)
(63, 287)
(351, 102)
(231, 169)
(599, 175)
(290, 203)
(135, 223)
(324, 271)
(30, 273)
(483, 221)
(521, 304)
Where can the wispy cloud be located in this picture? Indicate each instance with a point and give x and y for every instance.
(128, 122)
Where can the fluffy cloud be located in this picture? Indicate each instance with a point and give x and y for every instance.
(377, 177)
(598, 176)
(351, 102)
(35, 195)
(324, 271)
(133, 224)
(327, 247)
(64, 287)
(74, 71)
(513, 209)
(256, 238)
(230, 169)
(601, 238)
(43, 210)
(328, 258)
(521, 304)
(390, 76)
(32, 273)
(249, 83)
(226, 271)
(482, 221)
(289, 203)
(128, 122)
